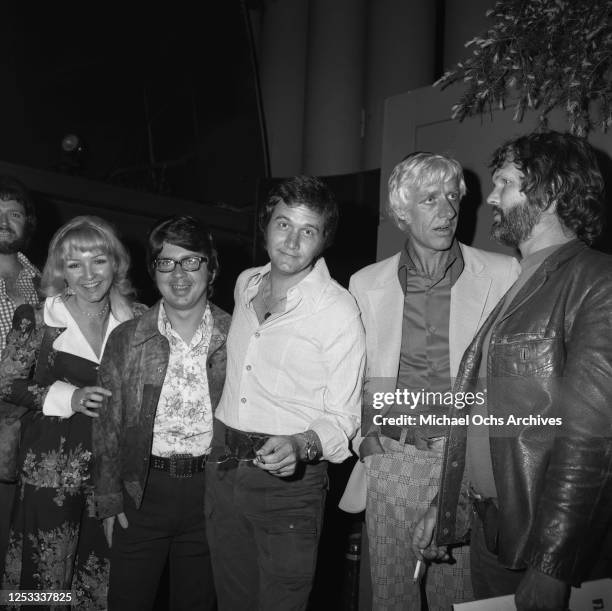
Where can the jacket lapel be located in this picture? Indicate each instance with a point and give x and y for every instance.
(219, 331)
(468, 300)
(386, 308)
(534, 284)
(531, 287)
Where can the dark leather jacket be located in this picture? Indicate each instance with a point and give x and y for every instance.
(550, 355)
(133, 368)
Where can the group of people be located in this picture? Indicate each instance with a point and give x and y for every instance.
(507, 489)
(181, 435)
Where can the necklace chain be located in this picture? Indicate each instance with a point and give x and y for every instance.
(267, 305)
(99, 314)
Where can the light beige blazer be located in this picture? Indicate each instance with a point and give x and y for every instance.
(485, 279)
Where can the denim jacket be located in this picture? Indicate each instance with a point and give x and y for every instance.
(133, 368)
(550, 356)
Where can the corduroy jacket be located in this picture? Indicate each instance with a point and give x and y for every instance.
(550, 357)
(133, 368)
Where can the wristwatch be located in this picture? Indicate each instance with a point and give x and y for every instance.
(311, 449)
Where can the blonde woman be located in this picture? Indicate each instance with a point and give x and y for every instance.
(50, 367)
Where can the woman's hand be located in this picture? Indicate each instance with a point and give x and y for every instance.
(88, 399)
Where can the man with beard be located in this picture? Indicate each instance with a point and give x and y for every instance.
(538, 476)
(19, 279)
(19, 282)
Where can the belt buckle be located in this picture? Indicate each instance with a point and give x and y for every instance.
(184, 460)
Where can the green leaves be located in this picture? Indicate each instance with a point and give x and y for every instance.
(541, 54)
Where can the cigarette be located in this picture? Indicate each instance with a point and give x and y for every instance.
(417, 570)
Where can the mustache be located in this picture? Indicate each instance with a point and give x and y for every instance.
(12, 243)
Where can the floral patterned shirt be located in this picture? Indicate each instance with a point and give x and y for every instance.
(27, 289)
(184, 417)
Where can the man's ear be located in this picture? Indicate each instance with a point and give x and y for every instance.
(401, 223)
(404, 215)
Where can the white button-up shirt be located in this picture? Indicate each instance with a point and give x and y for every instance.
(298, 370)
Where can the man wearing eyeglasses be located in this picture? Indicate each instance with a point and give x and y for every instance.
(166, 372)
(291, 403)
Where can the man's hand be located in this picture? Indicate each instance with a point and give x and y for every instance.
(423, 535)
(540, 592)
(109, 524)
(279, 455)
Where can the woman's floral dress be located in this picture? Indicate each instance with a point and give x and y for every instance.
(55, 541)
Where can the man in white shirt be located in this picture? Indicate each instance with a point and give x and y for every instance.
(291, 402)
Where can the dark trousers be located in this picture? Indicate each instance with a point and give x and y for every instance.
(170, 525)
(263, 533)
(7, 498)
(489, 577)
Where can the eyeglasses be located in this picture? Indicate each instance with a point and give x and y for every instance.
(188, 264)
(221, 454)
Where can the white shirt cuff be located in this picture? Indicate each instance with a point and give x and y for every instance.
(58, 400)
(333, 440)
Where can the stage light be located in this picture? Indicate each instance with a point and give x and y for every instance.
(72, 144)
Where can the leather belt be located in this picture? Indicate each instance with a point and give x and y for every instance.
(179, 465)
(243, 445)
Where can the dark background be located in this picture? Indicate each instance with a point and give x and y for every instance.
(164, 102)
(162, 97)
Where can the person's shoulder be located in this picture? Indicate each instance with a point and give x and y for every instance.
(138, 309)
(28, 265)
(142, 315)
(124, 330)
(244, 275)
(374, 271)
(221, 317)
(486, 257)
(587, 276)
(337, 300)
(594, 264)
(597, 257)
